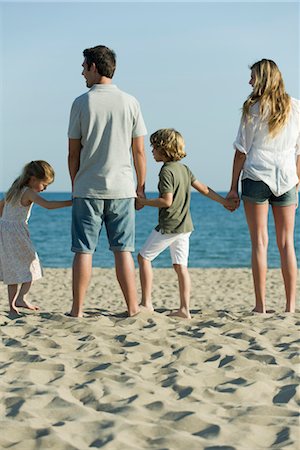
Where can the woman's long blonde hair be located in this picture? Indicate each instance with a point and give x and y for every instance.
(39, 169)
(269, 91)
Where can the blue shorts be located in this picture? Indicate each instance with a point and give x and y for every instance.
(88, 215)
(259, 192)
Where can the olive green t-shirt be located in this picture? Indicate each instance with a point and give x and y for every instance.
(175, 178)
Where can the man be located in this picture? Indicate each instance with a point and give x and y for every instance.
(106, 128)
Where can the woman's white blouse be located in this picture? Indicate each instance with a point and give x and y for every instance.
(271, 160)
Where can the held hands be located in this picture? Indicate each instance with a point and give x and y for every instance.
(139, 203)
(139, 199)
(232, 200)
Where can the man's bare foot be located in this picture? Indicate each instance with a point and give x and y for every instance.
(24, 304)
(180, 313)
(148, 306)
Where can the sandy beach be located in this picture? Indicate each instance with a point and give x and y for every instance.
(226, 379)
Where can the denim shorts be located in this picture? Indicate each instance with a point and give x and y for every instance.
(259, 192)
(88, 216)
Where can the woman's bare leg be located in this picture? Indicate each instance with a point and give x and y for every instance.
(284, 217)
(257, 219)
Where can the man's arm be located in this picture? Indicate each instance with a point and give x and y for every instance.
(139, 161)
(74, 158)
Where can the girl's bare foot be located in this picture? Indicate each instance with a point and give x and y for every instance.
(24, 304)
(13, 311)
(180, 313)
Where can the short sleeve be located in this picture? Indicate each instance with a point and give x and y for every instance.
(246, 131)
(139, 127)
(74, 131)
(191, 175)
(166, 181)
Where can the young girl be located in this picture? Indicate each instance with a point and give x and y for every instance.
(175, 222)
(19, 262)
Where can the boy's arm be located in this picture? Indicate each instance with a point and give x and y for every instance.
(208, 192)
(165, 201)
(1, 207)
(74, 158)
(31, 196)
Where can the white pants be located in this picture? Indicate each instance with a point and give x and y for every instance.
(158, 242)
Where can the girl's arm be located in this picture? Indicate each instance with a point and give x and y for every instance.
(208, 192)
(31, 196)
(165, 201)
(1, 207)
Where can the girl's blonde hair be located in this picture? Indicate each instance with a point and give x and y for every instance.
(269, 91)
(169, 142)
(39, 169)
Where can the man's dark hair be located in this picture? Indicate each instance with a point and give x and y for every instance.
(104, 59)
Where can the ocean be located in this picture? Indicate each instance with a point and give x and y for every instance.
(220, 238)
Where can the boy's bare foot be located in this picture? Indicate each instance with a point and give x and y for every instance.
(75, 316)
(24, 304)
(180, 313)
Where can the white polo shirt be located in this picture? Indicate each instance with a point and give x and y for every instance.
(271, 160)
(105, 119)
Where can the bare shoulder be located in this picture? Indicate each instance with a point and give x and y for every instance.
(27, 197)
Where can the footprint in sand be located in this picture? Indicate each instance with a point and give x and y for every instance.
(285, 394)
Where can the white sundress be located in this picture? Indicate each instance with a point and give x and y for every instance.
(19, 262)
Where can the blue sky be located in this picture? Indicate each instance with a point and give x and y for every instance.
(187, 63)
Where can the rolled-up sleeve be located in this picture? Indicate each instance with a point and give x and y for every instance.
(298, 145)
(245, 135)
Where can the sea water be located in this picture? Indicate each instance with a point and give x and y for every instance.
(220, 238)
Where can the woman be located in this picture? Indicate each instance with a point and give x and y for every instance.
(268, 153)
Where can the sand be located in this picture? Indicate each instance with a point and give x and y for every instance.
(226, 379)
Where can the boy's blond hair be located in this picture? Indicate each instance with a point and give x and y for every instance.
(169, 142)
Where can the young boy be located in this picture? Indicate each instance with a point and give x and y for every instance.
(175, 223)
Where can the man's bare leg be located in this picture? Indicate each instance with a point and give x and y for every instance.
(146, 277)
(82, 271)
(125, 272)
